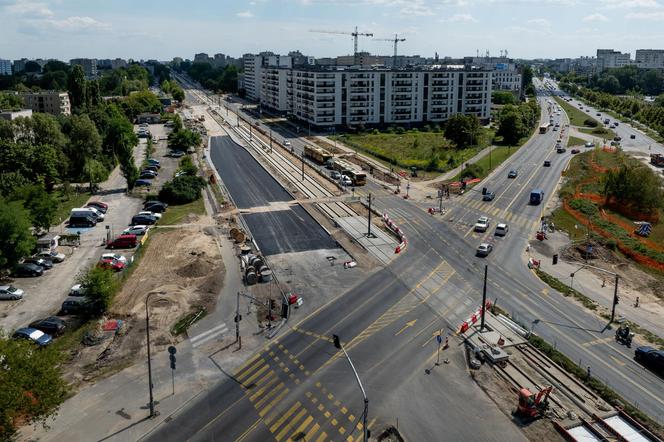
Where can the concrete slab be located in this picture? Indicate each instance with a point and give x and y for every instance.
(380, 245)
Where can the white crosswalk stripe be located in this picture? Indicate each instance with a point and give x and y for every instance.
(208, 335)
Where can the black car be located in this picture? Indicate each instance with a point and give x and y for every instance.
(146, 176)
(52, 325)
(27, 269)
(155, 206)
(143, 219)
(488, 196)
(81, 221)
(617, 138)
(650, 357)
(632, 136)
(152, 167)
(44, 263)
(547, 163)
(512, 174)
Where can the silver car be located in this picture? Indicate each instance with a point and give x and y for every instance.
(10, 292)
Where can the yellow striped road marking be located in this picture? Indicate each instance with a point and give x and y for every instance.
(249, 361)
(249, 370)
(263, 401)
(495, 211)
(351, 417)
(260, 391)
(598, 341)
(312, 431)
(251, 378)
(303, 426)
(617, 361)
(284, 416)
(290, 424)
(310, 333)
(322, 437)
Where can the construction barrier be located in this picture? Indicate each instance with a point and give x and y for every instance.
(397, 231)
(465, 325)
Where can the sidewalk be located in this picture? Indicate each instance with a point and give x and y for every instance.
(597, 286)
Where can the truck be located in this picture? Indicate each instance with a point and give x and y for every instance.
(657, 159)
(536, 196)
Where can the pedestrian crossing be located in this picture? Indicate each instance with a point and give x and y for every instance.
(200, 339)
(501, 215)
(318, 415)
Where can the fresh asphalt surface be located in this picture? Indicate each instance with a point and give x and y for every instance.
(275, 231)
(278, 384)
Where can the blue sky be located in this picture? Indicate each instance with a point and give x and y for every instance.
(167, 28)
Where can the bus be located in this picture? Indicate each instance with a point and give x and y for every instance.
(544, 128)
(350, 170)
(318, 154)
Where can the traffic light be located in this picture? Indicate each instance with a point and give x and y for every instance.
(273, 304)
(284, 310)
(238, 318)
(555, 259)
(337, 343)
(172, 350)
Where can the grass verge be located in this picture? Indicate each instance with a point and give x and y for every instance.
(196, 314)
(566, 290)
(576, 117)
(68, 202)
(175, 214)
(599, 132)
(574, 141)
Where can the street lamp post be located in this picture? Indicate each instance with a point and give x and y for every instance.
(365, 430)
(153, 413)
(615, 287)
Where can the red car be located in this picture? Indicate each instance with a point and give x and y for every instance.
(111, 264)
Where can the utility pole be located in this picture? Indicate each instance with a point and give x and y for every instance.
(486, 267)
(369, 223)
(302, 156)
(237, 322)
(615, 300)
(440, 198)
(270, 140)
(153, 413)
(365, 430)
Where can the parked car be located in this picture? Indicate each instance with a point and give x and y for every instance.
(52, 255)
(488, 196)
(156, 207)
(11, 293)
(103, 207)
(345, 181)
(123, 242)
(82, 221)
(143, 219)
(27, 269)
(143, 183)
(547, 163)
(77, 290)
(45, 264)
(482, 224)
(152, 168)
(589, 144)
(137, 230)
(176, 154)
(73, 305)
(153, 162)
(117, 256)
(512, 174)
(502, 229)
(147, 204)
(52, 325)
(287, 143)
(32, 334)
(335, 175)
(150, 213)
(617, 138)
(598, 114)
(651, 358)
(147, 175)
(111, 264)
(484, 249)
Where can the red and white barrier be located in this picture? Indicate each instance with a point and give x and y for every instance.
(398, 232)
(465, 325)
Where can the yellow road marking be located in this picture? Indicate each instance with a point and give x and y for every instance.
(312, 432)
(304, 425)
(290, 424)
(250, 379)
(408, 325)
(269, 406)
(322, 437)
(258, 393)
(249, 361)
(249, 370)
(598, 341)
(284, 416)
(617, 361)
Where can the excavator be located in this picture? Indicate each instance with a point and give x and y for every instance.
(533, 405)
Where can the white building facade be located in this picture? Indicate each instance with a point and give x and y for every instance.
(608, 58)
(649, 58)
(48, 102)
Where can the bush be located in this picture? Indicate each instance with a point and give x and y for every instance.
(590, 122)
(182, 190)
(472, 171)
(400, 130)
(100, 285)
(187, 166)
(600, 131)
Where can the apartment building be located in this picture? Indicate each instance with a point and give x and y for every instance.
(5, 67)
(649, 58)
(355, 97)
(608, 58)
(506, 74)
(49, 102)
(89, 65)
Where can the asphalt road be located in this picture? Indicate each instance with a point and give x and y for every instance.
(437, 281)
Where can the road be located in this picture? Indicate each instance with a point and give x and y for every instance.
(436, 282)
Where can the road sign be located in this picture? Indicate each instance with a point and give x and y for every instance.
(172, 350)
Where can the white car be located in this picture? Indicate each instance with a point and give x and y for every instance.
(287, 143)
(502, 229)
(590, 144)
(482, 224)
(52, 255)
(10, 292)
(115, 256)
(346, 181)
(147, 212)
(484, 249)
(137, 230)
(77, 290)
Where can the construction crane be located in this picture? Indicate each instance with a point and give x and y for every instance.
(354, 34)
(396, 41)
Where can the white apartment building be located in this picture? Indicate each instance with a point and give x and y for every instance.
(353, 97)
(649, 58)
(14, 114)
(608, 58)
(5, 67)
(89, 65)
(48, 102)
(506, 74)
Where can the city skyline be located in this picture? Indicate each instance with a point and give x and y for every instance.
(151, 30)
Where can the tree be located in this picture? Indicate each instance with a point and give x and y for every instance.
(634, 186)
(55, 66)
(178, 94)
(183, 139)
(41, 204)
(526, 76)
(610, 84)
(32, 386)
(76, 87)
(182, 190)
(100, 286)
(32, 67)
(653, 82)
(140, 102)
(16, 240)
(10, 101)
(510, 125)
(503, 97)
(462, 129)
(84, 144)
(94, 171)
(93, 95)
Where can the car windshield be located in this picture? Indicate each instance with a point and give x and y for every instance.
(11, 289)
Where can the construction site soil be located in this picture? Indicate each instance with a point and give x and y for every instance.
(181, 269)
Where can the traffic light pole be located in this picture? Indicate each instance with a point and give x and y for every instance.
(615, 288)
(365, 430)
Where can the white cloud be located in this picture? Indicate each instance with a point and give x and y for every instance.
(649, 16)
(460, 18)
(633, 4)
(245, 14)
(76, 24)
(595, 17)
(416, 7)
(27, 8)
(540, 22)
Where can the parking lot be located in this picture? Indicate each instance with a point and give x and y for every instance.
(44, 295)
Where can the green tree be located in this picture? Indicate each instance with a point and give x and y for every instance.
(634, 186)
(10, 101)
(178, 94)
(76, 87)
(609, 84)
(187, 166)
(100, 285)
(462, 129)
(503, 97)
(93, 95)
(183, 139)
(653, 82)
(32, 385)
(140, 102)
(182, 190)
(510, 125)
(41, 204)
(526, 76)
(56, 66)
(84, 143)
(16, 240)
(94, 172)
